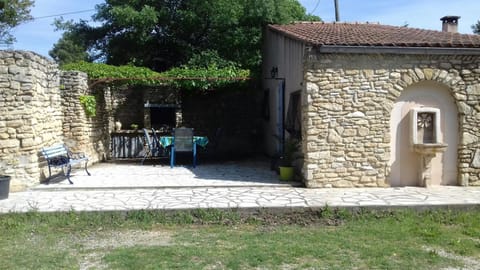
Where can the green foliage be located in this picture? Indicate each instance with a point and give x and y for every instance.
(13, 13)
(165, 34)
(73, 45)
(291, 147)
(134, 126)
(90, 104)
(476, 28)
(205, 78)
(183, 78)
(209, 58)
(104, 71)
(68, 50)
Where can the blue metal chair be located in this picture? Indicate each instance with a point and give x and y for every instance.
(183, 142)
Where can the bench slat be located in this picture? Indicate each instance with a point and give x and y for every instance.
(55, 152)
(55, 148)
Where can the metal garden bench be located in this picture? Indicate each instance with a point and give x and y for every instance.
(59, 156)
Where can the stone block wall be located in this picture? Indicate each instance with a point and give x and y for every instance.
(82, 133)
(127, 106)
(30, 114)
(161, 96)
(40, 106)
(347, 106)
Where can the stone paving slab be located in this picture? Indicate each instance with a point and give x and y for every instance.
(133, 175)
(237, 197)
(242, 185)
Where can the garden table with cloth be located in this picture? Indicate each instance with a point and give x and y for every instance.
(166, 141)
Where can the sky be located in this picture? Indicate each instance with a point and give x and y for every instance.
(39, 35)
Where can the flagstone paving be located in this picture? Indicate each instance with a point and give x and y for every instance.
(250, 185)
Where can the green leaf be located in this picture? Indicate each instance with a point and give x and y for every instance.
(90, 104)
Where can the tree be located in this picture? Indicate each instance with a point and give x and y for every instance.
(161, 34)
(13, 13)
(66, 50)
(476, 28)
(70, 48)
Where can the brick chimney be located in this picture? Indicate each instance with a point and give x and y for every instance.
(450, 24)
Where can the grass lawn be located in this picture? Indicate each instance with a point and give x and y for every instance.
(212, 239)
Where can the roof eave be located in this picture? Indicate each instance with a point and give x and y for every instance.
(394, 50)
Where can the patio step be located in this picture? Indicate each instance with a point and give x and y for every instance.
(68, 187)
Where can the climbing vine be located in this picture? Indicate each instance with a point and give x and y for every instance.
(96, 71)
(205, 78)
(89, 104)
(181, 77)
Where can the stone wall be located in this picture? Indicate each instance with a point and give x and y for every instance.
(40, 106)
(82, 133)
(347, 106)
(30, 114)
(161, 96)
(127, 106)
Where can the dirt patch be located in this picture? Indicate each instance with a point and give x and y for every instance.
(129, 238)
(469, 263)
(303, 218)
(97, 244)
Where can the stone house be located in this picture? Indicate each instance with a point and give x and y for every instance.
(375, 105)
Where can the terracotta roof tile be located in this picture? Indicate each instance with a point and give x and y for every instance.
(368, 34)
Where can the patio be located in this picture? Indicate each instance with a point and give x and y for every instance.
(157, 173)
(240, 184)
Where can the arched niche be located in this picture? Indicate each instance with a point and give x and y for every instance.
(404, 162)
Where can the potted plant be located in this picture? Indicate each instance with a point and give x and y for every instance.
(4, 186)
(286, 160)
(134, 127)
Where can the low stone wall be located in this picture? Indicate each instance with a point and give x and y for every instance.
(30, 114)
(347, 109)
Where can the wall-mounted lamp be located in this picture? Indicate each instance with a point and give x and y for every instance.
(274, 72)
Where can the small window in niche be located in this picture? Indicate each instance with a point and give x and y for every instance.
(293, 123)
